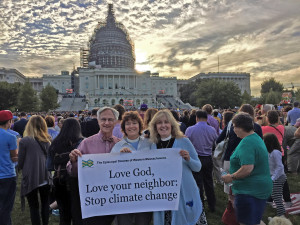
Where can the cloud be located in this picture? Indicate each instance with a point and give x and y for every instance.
(181, 38)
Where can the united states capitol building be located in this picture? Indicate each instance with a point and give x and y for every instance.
(107, 75)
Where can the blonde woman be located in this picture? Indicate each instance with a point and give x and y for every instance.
(33, 150)
(165, 133)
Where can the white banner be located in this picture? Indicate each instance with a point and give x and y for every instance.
(118, 183)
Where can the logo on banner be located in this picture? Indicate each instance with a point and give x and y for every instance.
(88, 163)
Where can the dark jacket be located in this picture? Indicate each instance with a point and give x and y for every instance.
(20, 125)
(234, 141)
(89, 128)
(183, 127)
(185, 120)
(32, 162)
(192, 120)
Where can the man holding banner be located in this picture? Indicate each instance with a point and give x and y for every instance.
(99, 143)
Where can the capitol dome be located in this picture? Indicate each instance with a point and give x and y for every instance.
(110, 45)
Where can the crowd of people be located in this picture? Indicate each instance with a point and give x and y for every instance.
(262, 145)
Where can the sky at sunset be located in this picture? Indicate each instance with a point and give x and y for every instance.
(175, 38)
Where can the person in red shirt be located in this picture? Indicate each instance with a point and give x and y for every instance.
(274, 127)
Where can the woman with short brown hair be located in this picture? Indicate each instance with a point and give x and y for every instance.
(249, 172)
(133, 115)
(132, 127)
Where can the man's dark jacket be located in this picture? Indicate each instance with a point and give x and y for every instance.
(89, 128)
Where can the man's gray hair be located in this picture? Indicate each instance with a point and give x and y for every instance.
(115, 112)
(267, 107)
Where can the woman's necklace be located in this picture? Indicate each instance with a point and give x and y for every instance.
(166, 145)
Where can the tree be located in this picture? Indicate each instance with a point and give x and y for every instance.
(297, 94)
(187, 92)
(218, 93)
(9, 95)
(272, 97)
(28, 100)
(267, 85)
(246, 98)
(48, 98)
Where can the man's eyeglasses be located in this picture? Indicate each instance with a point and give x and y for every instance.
(110, 120)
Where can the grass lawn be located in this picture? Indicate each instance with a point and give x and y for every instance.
(23, 218)
(215, 218)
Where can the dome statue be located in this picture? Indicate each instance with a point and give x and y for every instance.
(110, 45)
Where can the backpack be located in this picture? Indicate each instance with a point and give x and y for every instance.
(60, 166)
(60, 162)
(220, 149)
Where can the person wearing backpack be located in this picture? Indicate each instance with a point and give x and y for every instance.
(69, 138)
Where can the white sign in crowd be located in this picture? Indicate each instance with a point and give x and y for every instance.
(118, 183)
